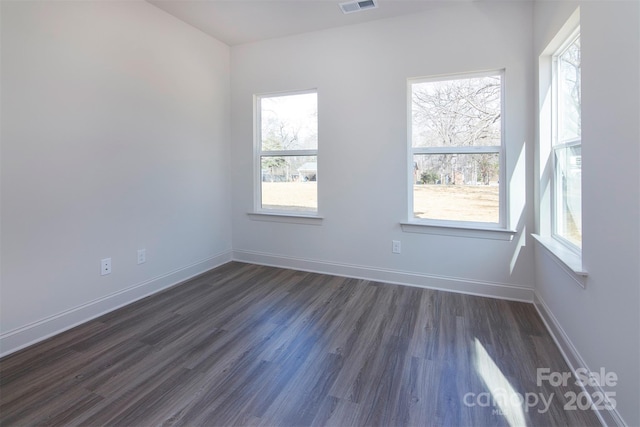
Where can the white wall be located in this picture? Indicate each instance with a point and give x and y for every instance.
(599, 326)
(115, 137)
(361, 75)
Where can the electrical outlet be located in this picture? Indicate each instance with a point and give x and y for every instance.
(395, 246)
(105, 266)
(142, 256)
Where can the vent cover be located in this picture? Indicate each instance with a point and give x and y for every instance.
(357, 6)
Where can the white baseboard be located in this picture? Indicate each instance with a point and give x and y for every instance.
(465, 286)
(32, 333)
(607, 417)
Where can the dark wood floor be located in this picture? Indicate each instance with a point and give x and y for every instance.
(252, 345)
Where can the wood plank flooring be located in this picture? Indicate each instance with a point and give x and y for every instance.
(247, 345)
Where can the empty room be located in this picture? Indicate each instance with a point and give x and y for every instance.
(320, 213)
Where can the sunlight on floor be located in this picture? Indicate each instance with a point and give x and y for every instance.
(508, 400)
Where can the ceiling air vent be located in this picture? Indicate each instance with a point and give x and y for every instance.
(357, 6)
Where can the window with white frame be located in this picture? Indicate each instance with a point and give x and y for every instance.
(287, 153)
(567, 144)
(456, 150)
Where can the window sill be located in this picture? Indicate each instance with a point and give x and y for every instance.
(477, 232)
(570, 261)
(286, 218)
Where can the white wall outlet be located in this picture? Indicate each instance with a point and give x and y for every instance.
(142, 256)
(105, 266)
(395, 246)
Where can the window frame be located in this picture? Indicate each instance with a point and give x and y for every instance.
(558, 145)
(259, 212)
(457, 227)
(566, 257)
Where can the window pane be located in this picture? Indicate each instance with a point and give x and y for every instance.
(569, 94)
(458, 187)
(289, 183)
(289, 122)
(568, 204)
(457, 113)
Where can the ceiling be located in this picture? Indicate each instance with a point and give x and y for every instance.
(237, 22)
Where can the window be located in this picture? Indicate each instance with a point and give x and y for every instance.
(456, 150)
(287, 153)
(559, 150)
(567, 144)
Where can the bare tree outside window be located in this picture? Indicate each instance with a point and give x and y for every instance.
(569, 93)
(567, 145)
(288, 144)
(456, 141)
